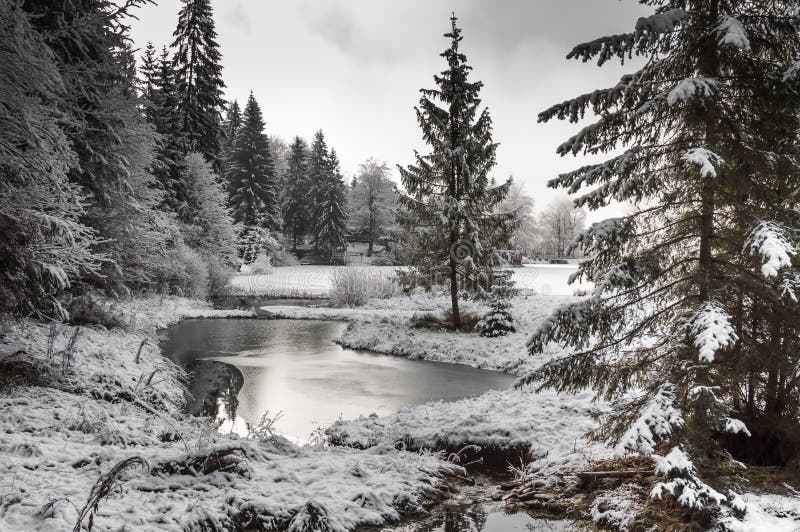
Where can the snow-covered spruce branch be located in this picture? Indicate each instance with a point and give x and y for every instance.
(710, 327)
(658, 418)
(775, 244)
(647, 31)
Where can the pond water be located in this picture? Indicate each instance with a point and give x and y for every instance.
(244, 368)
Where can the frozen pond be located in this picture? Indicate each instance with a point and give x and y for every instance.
(294, 366)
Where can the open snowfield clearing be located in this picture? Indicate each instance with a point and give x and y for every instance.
(315, 281)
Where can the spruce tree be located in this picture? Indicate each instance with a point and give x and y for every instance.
(198, 79)
(448, 205)
(297, 208)
(330, 225)
(147, 81)
(233, 121)
(251, 183)
(694, 317)
(318, 161)
(157, 82)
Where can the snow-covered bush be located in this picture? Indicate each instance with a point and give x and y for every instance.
(182, 271)
(352, 287)
(219, 275)
(498, 321)
(90, 310)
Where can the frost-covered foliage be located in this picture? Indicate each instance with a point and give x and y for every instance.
(353, 286)
(449, 202)
(44, 245)
(373, 202)
(209, 226)
(694, 304)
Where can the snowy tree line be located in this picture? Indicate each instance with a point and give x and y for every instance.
(126, 177)
(549, 233)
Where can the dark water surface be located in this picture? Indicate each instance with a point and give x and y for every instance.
(242, 368)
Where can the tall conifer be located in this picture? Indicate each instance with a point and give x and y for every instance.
(296, 210)
(198, 79)
(695, 300)
(448, 206)
(330, 225)
(251, 182)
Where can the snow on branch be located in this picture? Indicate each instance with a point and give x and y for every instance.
(684, 483)
(660, 23)
(712, 330)
(676, 461)
(731, 33)
(705, 159)
(792, 73)
(600, 100)
(647, 31)
(573, 319)
(586, 136)
(689, 87)
(655, 423)
(734, 426)
(790, 284)
(594, 173)
(606, 234)
(770, 241)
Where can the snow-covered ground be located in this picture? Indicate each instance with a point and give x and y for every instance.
(69, 414)
(551, 425)
(315, 281)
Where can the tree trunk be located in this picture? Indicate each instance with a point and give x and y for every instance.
(371, 233)
(701, 434)
(456, 315)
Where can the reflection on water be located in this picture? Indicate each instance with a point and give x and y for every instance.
(294, 366)
(481, 518)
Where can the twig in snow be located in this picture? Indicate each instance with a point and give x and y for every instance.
(103, 487)
(139, 352)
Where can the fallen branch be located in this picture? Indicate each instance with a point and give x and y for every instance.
(592, 476)
(225, 460)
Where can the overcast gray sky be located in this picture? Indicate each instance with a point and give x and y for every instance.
(354, 68)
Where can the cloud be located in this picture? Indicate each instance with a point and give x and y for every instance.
(234, 14)
(359, 37)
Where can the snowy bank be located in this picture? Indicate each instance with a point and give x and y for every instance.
(510, 423)
(383, 326)
(78, 405)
